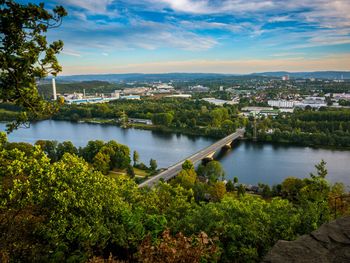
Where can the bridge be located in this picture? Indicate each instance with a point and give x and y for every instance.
(206, 153)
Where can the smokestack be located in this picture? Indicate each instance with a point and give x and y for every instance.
(54, 89)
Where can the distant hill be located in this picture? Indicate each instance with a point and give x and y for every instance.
(138, 77)
(307, 75)
(141, 77)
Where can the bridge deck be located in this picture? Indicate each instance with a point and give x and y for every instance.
(173, 170)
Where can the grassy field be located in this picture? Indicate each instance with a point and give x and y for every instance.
(138, 172)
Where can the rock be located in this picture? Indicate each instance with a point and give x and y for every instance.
(329, 244)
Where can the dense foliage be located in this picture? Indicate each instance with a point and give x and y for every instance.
(25, 55)
(64, 210)
(326, 127)
(188, 116)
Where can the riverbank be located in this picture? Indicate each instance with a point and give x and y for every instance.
(202, 131)
(252, 163)
(198, 131)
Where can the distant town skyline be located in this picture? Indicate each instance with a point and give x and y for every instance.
(208, 36)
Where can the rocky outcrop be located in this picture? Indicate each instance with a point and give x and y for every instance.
(330, 243)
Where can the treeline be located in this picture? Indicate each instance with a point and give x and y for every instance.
(100, 155)
(65, 211)
(195, 117)
(326, 127)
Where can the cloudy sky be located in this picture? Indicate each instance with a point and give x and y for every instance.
(221, 36)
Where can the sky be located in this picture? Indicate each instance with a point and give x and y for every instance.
(208, 36)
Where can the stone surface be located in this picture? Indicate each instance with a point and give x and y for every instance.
(329, 244)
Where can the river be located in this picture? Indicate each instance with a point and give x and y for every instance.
(250, 162)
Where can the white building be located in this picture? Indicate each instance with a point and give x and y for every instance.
(313, 102)
(182, 96)
(218, 102)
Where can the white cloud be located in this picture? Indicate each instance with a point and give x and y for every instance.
(92, 6)
(138, 33)
(70, 53)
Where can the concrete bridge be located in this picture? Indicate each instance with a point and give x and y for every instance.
(206, 153)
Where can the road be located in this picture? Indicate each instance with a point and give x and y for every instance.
(173, 170)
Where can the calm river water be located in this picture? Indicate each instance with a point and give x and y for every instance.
(250, 162)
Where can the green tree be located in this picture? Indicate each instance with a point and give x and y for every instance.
(213, 171)
(26, 55)
(230, 187)
(91, 149)
(135, 157)
(228, 126)
(101, 162)
(65, 208)
(241, 190)
(187, 165)
(66, 147)
(185, 178)
(162, 119)
(50, 148)
(130, 171)
(217, 191)
(153, 165)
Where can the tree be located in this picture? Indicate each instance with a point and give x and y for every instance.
(185, 178)
(66, 147)
(162, 119)
(130, 171)
(217, 191)
(50, 148)
(101, 162)
(120, 155)
(187, 165)
(91, 149)
(241, 190)
(153, 165)
(321, 170)
(26, 56)
(65, 208)
(135, 157)
(228, 126)
(230, 187)
(214, 171)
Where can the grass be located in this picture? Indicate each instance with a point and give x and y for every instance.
(138, 172)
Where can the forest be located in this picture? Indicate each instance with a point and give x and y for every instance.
(327, 127)
(172, 115)
(57, 206)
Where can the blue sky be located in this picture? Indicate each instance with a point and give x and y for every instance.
(221, 36)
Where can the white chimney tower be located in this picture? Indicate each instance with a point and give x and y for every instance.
(54, 89)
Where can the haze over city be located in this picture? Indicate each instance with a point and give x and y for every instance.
(229, 36)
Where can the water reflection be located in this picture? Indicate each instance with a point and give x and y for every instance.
(250, 162)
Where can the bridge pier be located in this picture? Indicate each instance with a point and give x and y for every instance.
(227, 146)
(208, 158)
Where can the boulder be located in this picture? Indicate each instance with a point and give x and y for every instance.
(329, 244)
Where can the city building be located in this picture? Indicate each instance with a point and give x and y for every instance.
(285, 78)
(199, 88)
(140, 121)
(219, 102)
(182, 96)
(313, 102)
(281, 103)
(130, 97)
